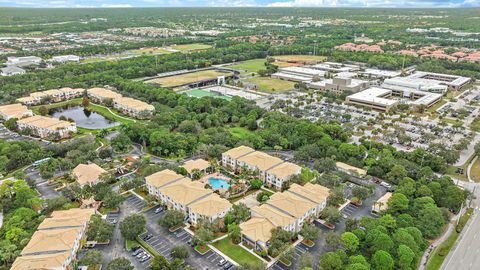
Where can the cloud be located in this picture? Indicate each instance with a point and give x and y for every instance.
(116, 5)
(375, 3)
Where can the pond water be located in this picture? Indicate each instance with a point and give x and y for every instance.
(84, 118)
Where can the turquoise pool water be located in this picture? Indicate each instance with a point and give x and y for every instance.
(218, 183)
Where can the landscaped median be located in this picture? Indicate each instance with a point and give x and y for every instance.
(235, 252)
(441, 251)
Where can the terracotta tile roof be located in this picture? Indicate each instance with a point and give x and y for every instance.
(210, 206)
(134, 104)
(239, 151)
(257, 229)
(87, 173)
(285, 170)
(291, 204)
(45, 261)
(162, 178)
(104, 93)
(45, 122)
(81, 214)
(15, 110)
(260, 160)
(275, 216)
(55, 223)
(199, 164)
(313, 192)
(44, 241)
(185, 191)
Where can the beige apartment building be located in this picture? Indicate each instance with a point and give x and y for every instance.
(272, 170)
(16, 110)
(288, 210)
(134, 107)
(87, 174)
(43, 127)
(55, 95)
(190, 197)
(101, 95)
(55, 243)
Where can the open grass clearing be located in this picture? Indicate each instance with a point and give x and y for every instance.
(311, 59)
(235, 252)
(249, 66)
(475, 171)
(271, 85)
(191, 47)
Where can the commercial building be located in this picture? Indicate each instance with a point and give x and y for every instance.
(374, 98)
(43, 127)
(378, 73)
(414, 84)
(339, 85)
(12, 70)
(334, 67)
(65, 58)
(272, 170)
(298, 74)
(453, 82)
(16, 110)
(56, 242)
(87, 174)
(382, 203)
(133, 107)
(190, 197)
(379, 98)
(288, 210)
(23, 61)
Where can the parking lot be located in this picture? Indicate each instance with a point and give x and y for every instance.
(8, 135)
(135, 202)
(163, 241)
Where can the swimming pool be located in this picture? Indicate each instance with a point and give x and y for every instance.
(218, 183)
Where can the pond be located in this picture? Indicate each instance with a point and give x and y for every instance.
(84, 118)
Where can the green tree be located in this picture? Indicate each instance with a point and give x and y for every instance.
(179, 252)
(172, 218)
(333, 240)
(310, 232)
(398, 203)
(132, 226)
(120, 263)
(43, 110)
(397, 173)
(234, 232)
(159, 263)
(85, 101)
(112, 200)
(331, 261)
(93, 257)
(203, 236)
(350, 242)
(306, 260)
(330, 214)
(11, 124)
(256, 183)
(382, 260)
(99, 229)
(406, 258)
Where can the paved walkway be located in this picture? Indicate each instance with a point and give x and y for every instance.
(469, 168)
(426, 255)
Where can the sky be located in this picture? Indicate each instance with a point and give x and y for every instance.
(240, 3)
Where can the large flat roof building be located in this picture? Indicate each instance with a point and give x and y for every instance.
(339, 85)
(336, 67)
(374, 98)
(298, 74)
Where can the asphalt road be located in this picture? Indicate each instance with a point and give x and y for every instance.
(465, 253)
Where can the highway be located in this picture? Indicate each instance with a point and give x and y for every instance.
(465, 255)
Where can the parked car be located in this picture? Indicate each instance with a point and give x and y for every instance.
(227, 266)
(222, 262)
(158, 210)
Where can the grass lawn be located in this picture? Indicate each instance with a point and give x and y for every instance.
(300, 58)
(150, 50)
(475, 125)
(129, 244)
(191, 47)
(241, 133)
(249, 66)
(235, 252)
(440, 253)
(475, 172)
(271, 85)
(186, 78)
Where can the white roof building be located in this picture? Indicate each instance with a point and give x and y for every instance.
(65, 58)
(336, 67)
(12, 70)
(374, 98)
(23, 61)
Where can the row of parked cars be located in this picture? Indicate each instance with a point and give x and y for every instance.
(140, 254)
